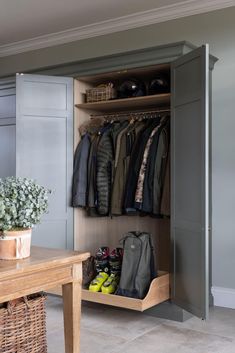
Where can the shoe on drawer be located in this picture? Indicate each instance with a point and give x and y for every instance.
(110, 286)
(98, 281)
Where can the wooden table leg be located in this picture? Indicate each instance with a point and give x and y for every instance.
(72, 310)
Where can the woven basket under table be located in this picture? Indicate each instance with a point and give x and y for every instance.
(23, 325)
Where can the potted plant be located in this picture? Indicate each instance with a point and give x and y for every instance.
(22, 204)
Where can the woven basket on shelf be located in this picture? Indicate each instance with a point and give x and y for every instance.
(23, 325)
(98, 94)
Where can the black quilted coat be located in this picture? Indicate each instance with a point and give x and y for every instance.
(105, 156)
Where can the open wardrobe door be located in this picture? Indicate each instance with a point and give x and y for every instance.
(44, 150)
(189, 186)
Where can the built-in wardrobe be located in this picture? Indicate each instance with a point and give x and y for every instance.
(49, 112)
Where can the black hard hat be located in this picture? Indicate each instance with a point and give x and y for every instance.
(159, 84)
(131, 88)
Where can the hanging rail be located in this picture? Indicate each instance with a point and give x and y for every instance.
(131, 114)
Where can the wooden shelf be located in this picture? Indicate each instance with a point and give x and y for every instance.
(159, 292)
(157, 100)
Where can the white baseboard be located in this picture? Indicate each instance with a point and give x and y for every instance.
(224, 297)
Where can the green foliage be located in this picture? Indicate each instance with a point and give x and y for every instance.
(22, 203)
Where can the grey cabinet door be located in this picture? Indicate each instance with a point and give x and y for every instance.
(44, 150)
(189, 186)
(7, 150)
(7, 128)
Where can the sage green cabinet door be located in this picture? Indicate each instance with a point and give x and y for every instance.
(189, 187)
(44, 150)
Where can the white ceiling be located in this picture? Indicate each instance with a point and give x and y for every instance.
(24, 19)
(32, 24)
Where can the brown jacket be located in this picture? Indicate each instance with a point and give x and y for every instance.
(121, 170)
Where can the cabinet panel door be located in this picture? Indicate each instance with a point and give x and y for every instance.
(189, 186)
(44, 150)
(7, 150)
(7, 128)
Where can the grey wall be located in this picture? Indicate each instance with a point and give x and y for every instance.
(216, 28)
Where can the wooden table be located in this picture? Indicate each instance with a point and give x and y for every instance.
(44, 269)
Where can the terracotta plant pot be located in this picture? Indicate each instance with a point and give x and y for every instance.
(15, 244)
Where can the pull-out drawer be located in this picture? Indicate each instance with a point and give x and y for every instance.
(159, 291)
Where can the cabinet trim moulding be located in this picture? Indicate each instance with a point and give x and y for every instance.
(135, 20)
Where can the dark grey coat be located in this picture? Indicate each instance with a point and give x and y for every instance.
(79, 193)
(151, 195)
(160, 169)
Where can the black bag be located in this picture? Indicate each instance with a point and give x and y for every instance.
(138, 268)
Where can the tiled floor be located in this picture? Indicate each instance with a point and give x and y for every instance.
(111, 330)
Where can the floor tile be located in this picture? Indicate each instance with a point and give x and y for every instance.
(55, 341)
(91, 342)
(54, 309)
(122, 323)
(114, 330)
(168, 339)
(221, 322)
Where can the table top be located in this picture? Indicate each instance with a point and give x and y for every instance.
(41, 258)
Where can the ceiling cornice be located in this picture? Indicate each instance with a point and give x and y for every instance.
(139, 19)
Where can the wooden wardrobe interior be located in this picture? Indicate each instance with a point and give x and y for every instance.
(92, 232)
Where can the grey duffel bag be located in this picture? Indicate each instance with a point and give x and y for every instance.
(138, 268)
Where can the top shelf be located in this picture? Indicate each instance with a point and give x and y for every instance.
(154, 101)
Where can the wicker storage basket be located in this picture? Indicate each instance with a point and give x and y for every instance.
(102, 93)
(23, 325)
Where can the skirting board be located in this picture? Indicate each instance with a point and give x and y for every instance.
(224, 297)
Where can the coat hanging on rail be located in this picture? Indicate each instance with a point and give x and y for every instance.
(120, 165)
